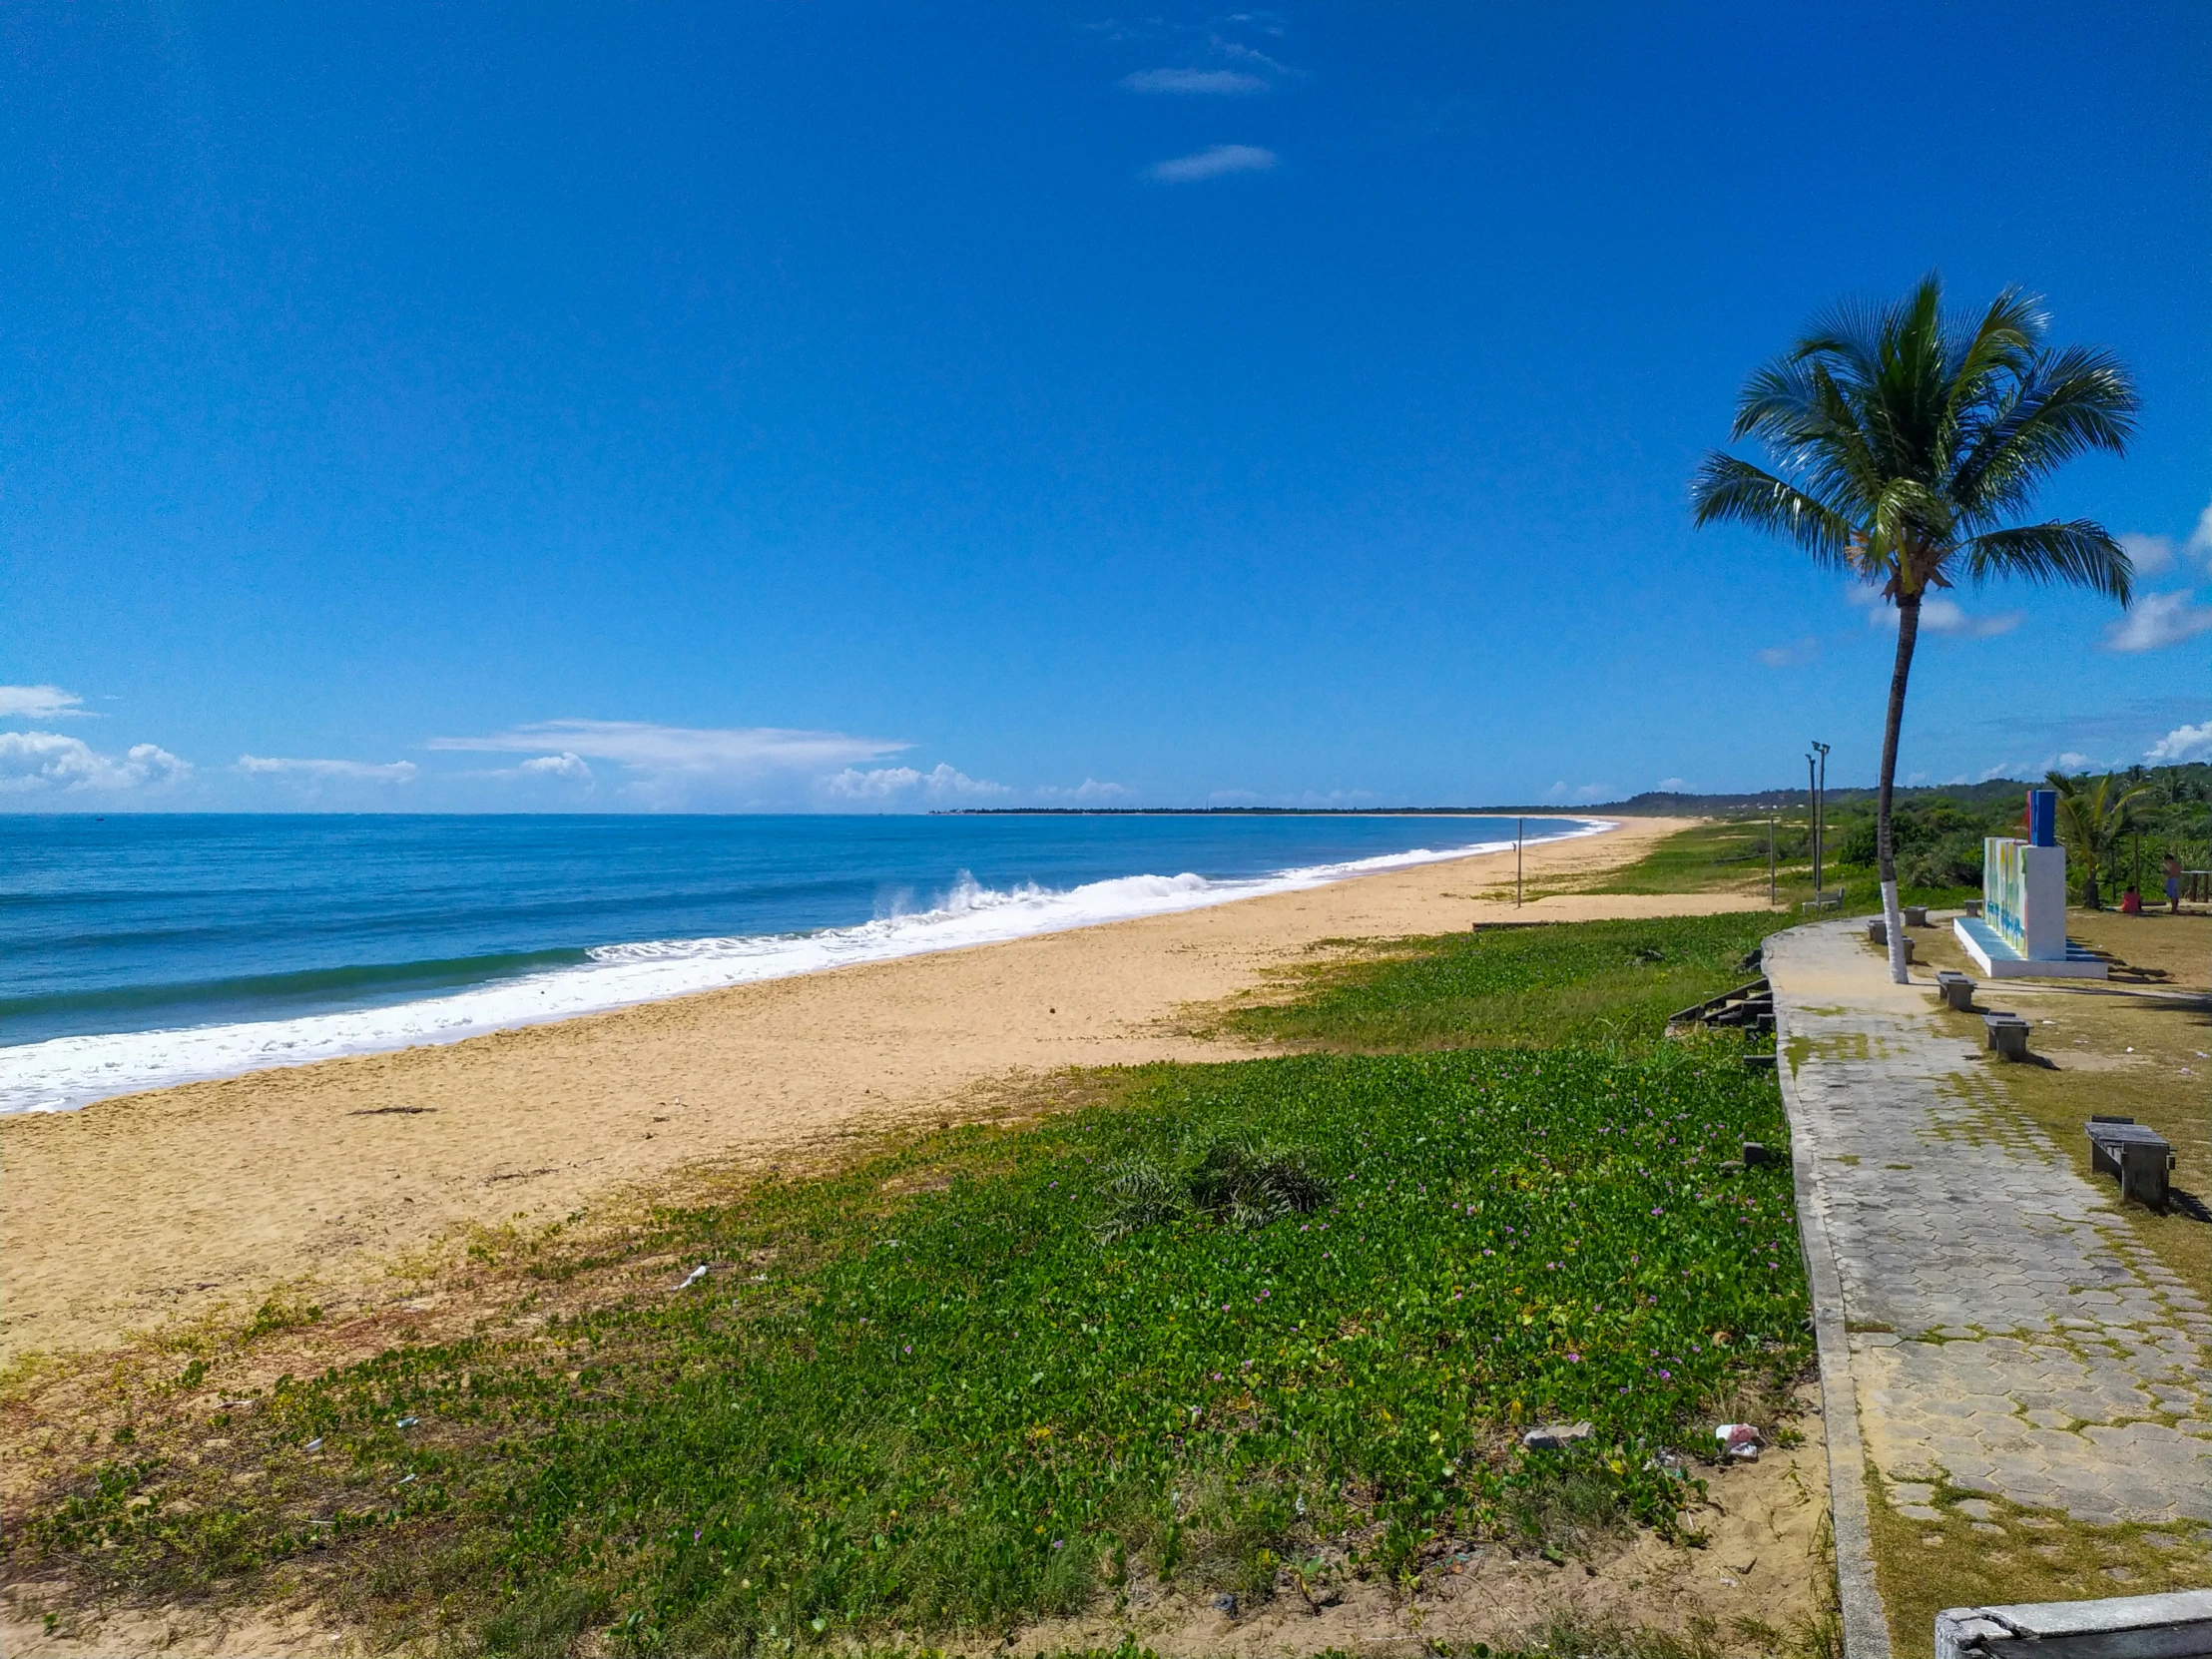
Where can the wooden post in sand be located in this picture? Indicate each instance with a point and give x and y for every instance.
(1520, 829)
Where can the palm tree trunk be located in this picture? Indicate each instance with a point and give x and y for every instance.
(1909, 631)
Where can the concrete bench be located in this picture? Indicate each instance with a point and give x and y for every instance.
(1956, 989)
(2007, 1034)
(1824, 901)
(1972, 907)
(1877, 934)
(2137, 1156)
(1916, 915)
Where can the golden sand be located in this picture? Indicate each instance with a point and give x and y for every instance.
(173, 1203)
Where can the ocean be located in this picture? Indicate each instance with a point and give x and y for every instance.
(138, 952)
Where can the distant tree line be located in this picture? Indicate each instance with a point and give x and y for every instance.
(2118, 828)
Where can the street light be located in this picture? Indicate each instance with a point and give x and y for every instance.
(1817, 776)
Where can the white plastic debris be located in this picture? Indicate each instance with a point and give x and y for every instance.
(1740, 1442)
(693, 1277)
(1555, 1436)
(406, 1422)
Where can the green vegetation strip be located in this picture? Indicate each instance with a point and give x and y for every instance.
(969, 1383)
(1585, 983)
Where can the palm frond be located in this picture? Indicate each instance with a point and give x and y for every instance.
(1727, 490)
(2074, 551)
(2066, 405)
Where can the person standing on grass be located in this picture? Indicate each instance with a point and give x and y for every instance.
(2173, 885)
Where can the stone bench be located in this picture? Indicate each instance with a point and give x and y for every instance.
(1956, 989)
(1877, 934)
(1916, 915)
(2007, 1034)
(2138, 1157)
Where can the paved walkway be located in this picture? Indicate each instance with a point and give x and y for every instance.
(2035, 1349)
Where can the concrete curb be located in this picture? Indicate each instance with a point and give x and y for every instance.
(1866, 1622)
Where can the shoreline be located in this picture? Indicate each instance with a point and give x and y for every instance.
(67, 1073)
(167, 1205)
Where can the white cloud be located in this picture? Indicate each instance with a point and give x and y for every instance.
(2200, 539)
(887, 784)
(1939, 615)
(367, 772)
(2183, 743)
(1215, 162)
(1789, 656)
(1672, 785)
(2158, 620)
(1091, 789)
(676, 753)
(1581, 794)
(2067, 760)
(566, 766)
(46, 763)
(2148, 554)
(1947, 616)
(41, 703)
(1216, 81)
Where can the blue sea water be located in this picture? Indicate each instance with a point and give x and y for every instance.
(138, 951)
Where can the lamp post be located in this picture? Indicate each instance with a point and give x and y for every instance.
(1819, 818)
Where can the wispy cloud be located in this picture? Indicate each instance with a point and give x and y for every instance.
(41, 703)
(1790, 656)
(1580, 794)
(2183, 743)
(46, 763)
(2148, 554)
(2153, 554)
(2157, 620)
(1090, 789)
(1215, 162)
(364, 771)
(684, 752)
(894, 784)
(1939, 615)
(1673, 786)
(1219, 83)
(1947, 616)
(1237, 52)
(569, 767)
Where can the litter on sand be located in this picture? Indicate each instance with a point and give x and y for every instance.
(1740, 1442)
(693, 1277)
(406, 1422)
(314, 1444)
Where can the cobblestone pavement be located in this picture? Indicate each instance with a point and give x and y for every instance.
(2008, 1333)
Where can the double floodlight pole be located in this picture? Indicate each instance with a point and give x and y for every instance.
(1815, 778)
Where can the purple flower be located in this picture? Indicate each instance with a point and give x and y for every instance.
(1576, 1358)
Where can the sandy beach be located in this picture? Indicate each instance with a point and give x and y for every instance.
(172, 1204)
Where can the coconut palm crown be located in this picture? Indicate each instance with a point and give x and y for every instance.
(1905, 442)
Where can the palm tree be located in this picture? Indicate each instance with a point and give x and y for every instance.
(1904, 439)
(2092, 818)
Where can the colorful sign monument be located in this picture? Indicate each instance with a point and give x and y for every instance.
(2022, 930)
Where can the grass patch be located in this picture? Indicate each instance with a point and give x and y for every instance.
(1983, 1550)
(1610, 982)
(958, 1408)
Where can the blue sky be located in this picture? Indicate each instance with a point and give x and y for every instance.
(844, 405)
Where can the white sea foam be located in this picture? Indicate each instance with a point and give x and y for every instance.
(66, 1072)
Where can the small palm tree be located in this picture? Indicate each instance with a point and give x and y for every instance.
(1903, 441)
(2092, 820)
